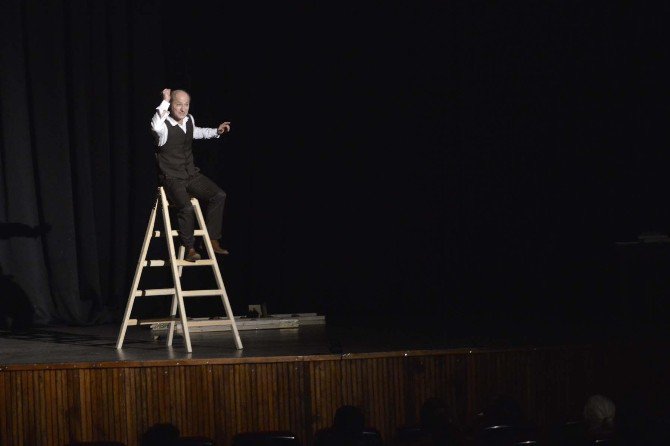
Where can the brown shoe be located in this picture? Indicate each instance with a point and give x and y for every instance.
(192, 255)
(216, 247)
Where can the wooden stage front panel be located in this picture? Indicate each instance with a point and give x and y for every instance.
(59, 404)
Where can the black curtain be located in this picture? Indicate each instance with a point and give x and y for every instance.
(76, 159)
(319, 168)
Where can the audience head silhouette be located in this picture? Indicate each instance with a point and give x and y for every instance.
(347, 429)
(434, 414)
(161, 434)
(437, 424)
(504, 410)
(349, 420)
(599, 413)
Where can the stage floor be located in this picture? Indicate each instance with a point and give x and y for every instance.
(96, 344)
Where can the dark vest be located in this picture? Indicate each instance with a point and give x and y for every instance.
(175, 157)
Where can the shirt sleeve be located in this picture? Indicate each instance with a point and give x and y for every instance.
(203, 132)
(158, 127)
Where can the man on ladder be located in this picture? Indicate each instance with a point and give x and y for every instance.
(174, 129)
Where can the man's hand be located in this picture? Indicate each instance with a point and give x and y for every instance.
(167, 94)
(223, 128)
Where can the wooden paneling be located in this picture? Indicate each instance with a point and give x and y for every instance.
(55, 405)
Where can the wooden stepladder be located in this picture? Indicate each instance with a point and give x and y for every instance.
(176, 264)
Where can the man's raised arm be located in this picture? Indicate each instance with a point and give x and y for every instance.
(158, 120)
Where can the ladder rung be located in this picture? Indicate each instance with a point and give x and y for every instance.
(171, 291)
(153, 263)
(201, 293)
(205, 262)
(155, 292)
(199, 232)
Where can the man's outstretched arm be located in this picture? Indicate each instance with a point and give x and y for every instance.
(207, 133)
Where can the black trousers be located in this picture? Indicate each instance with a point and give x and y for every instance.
(179, 193)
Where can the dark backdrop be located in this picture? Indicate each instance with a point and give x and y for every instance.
(456, 165)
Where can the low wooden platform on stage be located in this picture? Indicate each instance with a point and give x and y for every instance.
(63, 385)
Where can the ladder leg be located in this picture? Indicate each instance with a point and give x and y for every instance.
(175, 271)
(173, 308)
(173, 313)
(217, 274)
(138, 275)
(229, 312)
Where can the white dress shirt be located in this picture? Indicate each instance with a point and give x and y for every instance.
(159, 126)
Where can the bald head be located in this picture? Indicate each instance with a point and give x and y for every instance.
(179, 105)
(181, 94)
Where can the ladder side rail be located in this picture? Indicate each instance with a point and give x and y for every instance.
(174, 269)
(138, 275)
(217, 274)
(180, 256)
